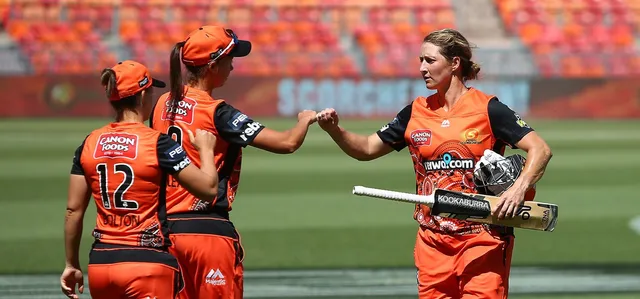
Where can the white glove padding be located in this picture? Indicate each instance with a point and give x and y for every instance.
(489, 158)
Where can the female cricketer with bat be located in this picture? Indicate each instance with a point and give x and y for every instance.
(205, 241)
(447, 133)
(124, 166)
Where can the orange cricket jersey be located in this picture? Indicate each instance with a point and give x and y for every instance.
(233, 129)
(445, 145)
(125, 165)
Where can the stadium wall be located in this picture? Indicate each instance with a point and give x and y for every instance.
(81, 96)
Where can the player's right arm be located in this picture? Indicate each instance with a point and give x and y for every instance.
(77, 201)
(366, 148)
(288, 141)
(201, 182)
(237, 128)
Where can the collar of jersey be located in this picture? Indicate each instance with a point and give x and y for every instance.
(198, 92)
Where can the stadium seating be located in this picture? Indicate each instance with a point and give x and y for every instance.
(391, 36)
(327, 38)
(71, 46)
(575, 38)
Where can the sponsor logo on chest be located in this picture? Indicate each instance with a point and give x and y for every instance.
(471, 136)
(184, 111)
(420, 137)
(116, 145)
(448, 162)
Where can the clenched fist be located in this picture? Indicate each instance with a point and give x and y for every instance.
(308, 116)
(328, 119)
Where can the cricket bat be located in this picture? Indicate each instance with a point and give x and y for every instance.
(473, 207)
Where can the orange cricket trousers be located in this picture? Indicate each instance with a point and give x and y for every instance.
(210, 255)
(467, 266)
(124, 272)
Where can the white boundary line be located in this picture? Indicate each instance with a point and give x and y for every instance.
(634, 224)
(344, 283)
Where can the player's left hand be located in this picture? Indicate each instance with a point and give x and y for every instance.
(510, 201)
(328, 119)
(69, 279)
(488, 158)
(202, 140)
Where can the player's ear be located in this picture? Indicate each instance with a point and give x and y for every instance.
(146, 96)
(213, 67)
(455, 63)
(140, 98)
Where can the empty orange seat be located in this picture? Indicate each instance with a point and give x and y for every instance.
(572, 66)
(622, 36)
(83, 27)
(18, 28)
(573, 30)
(530, 32)
(404, 29)
(425, 29)
(446, 18)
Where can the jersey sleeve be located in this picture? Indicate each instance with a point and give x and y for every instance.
(393, 132)
(506, 124)
(76, 166)
(171, 156)
(234, 126)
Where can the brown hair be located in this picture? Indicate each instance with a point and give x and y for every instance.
(108, 80)
(175, 76)
(453, 44)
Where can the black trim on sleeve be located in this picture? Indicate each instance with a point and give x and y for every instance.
(171, 156)
(507, 126)
(393, 132)
(76, 167)
(234, 126)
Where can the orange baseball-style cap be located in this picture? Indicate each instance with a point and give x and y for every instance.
(131, 78)
(209, 43)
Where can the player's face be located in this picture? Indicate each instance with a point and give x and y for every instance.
(436, 69)
(147, 102)
(221, 70)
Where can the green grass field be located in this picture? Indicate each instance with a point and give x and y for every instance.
(297, 211)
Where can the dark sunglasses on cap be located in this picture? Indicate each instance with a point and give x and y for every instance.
(220, 53)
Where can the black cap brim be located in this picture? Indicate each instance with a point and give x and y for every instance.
(242, 49)
(157, 83)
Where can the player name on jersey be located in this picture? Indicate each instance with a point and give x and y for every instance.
(127, 220)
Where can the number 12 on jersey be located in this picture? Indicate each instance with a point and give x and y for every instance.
(118, 195)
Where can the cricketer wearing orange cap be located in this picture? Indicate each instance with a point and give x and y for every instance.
(131, 78)
(207, 44)
(124, 166)
(205, 241)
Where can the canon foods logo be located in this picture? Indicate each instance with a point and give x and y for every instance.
(183, 112)
(112, 145)
(421, 137)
